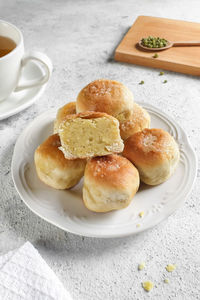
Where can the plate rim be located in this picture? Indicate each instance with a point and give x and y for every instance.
(18, 184)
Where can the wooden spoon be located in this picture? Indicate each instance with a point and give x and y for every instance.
(170, 44)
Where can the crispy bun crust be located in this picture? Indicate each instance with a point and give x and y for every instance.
(53, 168)
(103, 95)
(137, 121)
(68, 109)
(110, 182)
(155, 154)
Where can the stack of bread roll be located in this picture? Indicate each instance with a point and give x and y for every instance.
(105, 137)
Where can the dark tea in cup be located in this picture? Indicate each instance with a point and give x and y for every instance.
(6, 45)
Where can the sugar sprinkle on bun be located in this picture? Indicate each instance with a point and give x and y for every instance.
(53, 168)
(137, 121)
(110, 182)
(90, 134)
(104, 95)
(155, 154)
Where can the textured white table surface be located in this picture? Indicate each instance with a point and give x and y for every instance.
(80, 37)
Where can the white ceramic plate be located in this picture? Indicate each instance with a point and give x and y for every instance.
(66, 210)
(19, 101)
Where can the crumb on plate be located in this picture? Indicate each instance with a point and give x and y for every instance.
(141, 214)
(170, 267)
(147, 285)
(141, 266)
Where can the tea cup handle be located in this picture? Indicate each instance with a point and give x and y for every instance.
(44, 61)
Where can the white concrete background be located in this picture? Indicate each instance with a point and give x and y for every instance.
(79, 37)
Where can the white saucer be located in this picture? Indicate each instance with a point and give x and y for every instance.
(19, 101)
(66, 210)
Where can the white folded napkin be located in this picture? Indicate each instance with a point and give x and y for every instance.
(25, 275)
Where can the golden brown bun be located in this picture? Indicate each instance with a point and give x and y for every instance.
(104, 95)
(137, 121)
(53, 168)
(155, 154)
(68, 109)
(110, 182)
(89, 134)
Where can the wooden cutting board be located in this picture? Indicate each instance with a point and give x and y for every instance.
(179, 59)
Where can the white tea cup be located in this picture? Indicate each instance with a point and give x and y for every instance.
(12, 63)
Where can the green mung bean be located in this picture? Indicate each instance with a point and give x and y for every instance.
(154, 42)
(141, 82)
(155, 55)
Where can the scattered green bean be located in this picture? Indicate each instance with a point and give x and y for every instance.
(165, 81)
(141, 82)
(161, 73)
(155, 55)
